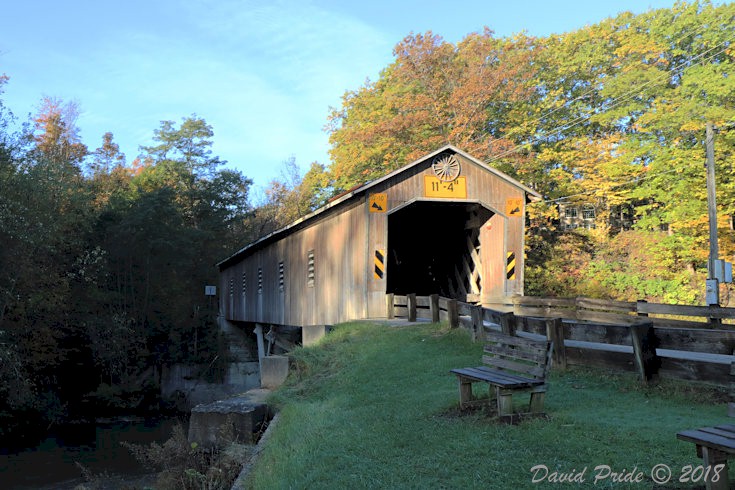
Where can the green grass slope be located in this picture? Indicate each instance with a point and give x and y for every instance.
(374, 406)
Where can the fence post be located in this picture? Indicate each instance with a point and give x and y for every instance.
(411, 299)
(508, 323)
(434, 306)
(644, 342)
(555, 333)
(478, 326)
(390, 306)
(715, 322)
(453, 313)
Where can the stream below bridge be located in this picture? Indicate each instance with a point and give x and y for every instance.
(52, 464)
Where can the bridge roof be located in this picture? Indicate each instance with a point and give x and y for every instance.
(531, 195)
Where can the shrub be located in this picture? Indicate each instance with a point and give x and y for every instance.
(185, 466)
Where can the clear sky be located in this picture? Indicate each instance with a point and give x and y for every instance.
(262, 73)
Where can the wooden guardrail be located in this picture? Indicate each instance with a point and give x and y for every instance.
(606, 334)
(622, 312)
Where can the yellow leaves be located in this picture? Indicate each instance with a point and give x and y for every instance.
(692, 125)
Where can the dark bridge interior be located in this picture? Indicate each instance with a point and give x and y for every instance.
(433, 247)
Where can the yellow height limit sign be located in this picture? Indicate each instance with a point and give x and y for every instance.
(456, 189)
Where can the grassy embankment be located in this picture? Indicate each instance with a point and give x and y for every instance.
(375, 407)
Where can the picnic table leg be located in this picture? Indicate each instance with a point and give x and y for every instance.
(712, 457)
(465, 392)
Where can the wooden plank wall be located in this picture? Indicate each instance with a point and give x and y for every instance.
(622, 311)
(494, 193)
(338, 245)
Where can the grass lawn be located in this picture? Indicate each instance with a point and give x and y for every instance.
(374, 406)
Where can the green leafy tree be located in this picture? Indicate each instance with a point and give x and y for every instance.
(107, 157)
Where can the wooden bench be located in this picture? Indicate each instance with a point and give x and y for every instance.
(510, 365)
(715, 444)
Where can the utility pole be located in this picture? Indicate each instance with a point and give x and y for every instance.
(713, 287)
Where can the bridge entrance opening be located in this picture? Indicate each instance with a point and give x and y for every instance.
(434, 247)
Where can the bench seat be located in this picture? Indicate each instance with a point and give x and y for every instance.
(510, 364)
(719, 437)
(714, 445)
(499, 378)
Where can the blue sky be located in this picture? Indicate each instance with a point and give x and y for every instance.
(262, 73)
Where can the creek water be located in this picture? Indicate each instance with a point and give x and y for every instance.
(53, 463)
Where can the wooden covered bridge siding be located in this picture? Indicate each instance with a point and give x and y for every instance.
(406, 232)
(305, 278)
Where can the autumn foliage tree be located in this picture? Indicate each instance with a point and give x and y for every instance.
(433, 94)
(610, 115)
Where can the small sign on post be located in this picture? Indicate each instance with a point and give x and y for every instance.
(210, 290)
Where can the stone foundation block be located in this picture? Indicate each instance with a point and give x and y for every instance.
(237, 419)
(273, 371)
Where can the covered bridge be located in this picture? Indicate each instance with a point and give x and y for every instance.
(446, 223)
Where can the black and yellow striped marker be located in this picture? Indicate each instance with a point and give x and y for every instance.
(379, 270)
(510, 266)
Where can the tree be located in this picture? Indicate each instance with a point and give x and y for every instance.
(107, 157)
(189, 145)
(180, 216)
(433, 94)
(57, 135)
(290, 197)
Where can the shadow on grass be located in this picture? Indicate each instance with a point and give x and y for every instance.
(486, 410)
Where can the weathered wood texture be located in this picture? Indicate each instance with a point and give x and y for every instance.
(448, 311)
(699, 354)
(621, 312)
(509, 364)
(333, 265)
(715, 445)
(273, 283)
(710, 448)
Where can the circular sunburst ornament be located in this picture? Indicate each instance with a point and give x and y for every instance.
(446, 168)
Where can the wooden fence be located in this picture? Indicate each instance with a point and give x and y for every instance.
(621, 312)
(606, 334)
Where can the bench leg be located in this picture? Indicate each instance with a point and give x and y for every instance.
(538, 394)
(712, 457)
(505, 402)
(465, 393)
(537, 402)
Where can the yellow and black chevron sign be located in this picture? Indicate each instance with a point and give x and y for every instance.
(379, 270)
(510, 266)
